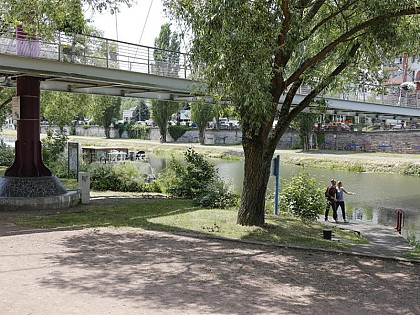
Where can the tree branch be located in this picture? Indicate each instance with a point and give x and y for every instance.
(324, 83)
(328, 18)
(344, 37)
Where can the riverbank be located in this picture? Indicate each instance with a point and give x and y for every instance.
(379, 162)
(402, 164)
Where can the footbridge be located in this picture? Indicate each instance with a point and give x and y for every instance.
(95, 65)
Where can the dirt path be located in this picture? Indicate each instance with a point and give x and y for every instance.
(128, 271)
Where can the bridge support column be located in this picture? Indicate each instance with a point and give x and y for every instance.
(28, 159)
(28, 177)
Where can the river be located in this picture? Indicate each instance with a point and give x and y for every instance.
(377, 195)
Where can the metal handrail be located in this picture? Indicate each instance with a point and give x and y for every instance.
(384, 95)
(108, 53)
(100, 52)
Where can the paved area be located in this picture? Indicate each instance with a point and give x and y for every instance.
(132, 271)
(384, 241)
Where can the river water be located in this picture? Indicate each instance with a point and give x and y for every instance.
(377, 197)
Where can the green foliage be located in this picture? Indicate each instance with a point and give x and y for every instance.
(137, 131)
(412, 169)
(61, 108)
(119, 177)
(53, 147)
(47, 16)
(167, 59)
(303, 197)
(197, 180)
(105, 110)
(201, 114)
(7, 154)
(177, 131)
(256, 52)
(304, 123)
(161, 114)
(356, 168)
(6, 95)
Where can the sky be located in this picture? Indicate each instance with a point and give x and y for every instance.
(128, 24)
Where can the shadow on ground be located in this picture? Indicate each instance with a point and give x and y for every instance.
(173, 272)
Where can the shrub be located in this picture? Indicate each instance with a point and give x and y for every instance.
(197, 180)
(53, 148)
(177, 131)
(303, 197)
(119, 177)
(216, 194)
(137, 131)
(7, 154)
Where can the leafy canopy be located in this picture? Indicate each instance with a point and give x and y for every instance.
(43, 17)
(253, 51)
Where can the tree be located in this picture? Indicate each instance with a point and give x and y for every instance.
(61, 108)
(47, 16)
(201, 114)
(105, 111)
(167, 64)
(162, 112)
(5, 103)
(141, 112)
(259, 53)
(167, 57)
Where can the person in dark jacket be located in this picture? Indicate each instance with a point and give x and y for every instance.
(331, 195)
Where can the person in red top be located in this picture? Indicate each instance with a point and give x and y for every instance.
(331, 195)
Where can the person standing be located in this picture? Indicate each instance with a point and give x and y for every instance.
(340, 199)
(331, 195)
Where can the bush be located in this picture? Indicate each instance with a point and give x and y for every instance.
(53, 147)
(137, 131)
(7, 154)
(216, 194)
(119, 177)
(197, 180)
(177, 131)
(303, 197)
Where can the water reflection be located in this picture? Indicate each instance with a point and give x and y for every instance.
(377, 195)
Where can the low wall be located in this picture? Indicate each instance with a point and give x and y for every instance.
(396, 141)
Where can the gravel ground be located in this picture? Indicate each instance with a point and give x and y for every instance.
(131, 271)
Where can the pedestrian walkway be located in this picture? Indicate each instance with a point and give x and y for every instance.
(384, 241)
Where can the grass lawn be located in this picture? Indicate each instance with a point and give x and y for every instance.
(178, 215)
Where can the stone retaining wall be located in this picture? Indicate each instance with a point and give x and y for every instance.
(397, 141)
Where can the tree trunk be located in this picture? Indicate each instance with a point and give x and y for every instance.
(107, 132)
(202, 134)
(256, 175)
(162, 134)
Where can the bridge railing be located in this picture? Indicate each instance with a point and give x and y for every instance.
(99, 52)
(103, 52)
(385, 95)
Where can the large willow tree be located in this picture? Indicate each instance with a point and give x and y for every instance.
(259, 52)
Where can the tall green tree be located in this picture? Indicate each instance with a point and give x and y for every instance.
(166, 64)
(105, 110)
(162, 112)
(166, 59)
(201, 114)
(141, 112)
(259, 53)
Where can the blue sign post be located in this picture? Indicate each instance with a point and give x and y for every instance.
(276, 172)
